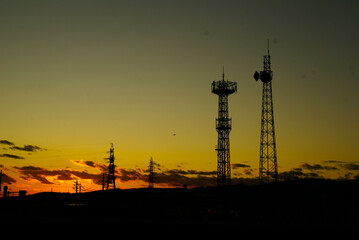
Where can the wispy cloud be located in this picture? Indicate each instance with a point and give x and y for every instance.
(333, 161)
(27, 148)
(319, 170)
(163, 176)
(351, 166)
(239, 165)
(6, 142)
(169, 177)
(99, 166)
(41, 174)
(314, 167)
(297, 173)
(247, 170)
(6, 179)
(11, 156)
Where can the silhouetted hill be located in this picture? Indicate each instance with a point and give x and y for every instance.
(308, 203)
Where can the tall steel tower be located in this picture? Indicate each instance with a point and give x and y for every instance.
(111, 183)
(268, 168)
(150, 175)
(223, 125)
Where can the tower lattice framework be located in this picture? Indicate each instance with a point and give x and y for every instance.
(223, 125)
(111, 183)
(268, 167)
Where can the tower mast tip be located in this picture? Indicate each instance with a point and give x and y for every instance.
(223, 74)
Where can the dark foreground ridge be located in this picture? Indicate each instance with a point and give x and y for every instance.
(302, 203)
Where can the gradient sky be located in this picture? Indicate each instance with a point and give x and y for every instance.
(76, 76)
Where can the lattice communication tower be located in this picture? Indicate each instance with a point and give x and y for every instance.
(111, 183)
(150, 175)
(268, 167)
(223, 88)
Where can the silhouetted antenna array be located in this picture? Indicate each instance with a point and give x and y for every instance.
(268, 168)
(77, 186)
(150, 175)
(111, 183)
(223, 88)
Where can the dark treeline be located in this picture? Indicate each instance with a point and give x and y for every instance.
(309, 202)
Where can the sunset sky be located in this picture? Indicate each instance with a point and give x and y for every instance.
(76, 76)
